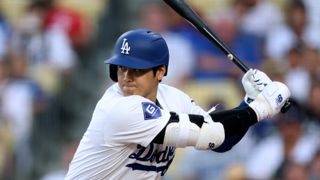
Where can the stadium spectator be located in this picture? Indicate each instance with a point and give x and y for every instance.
(212, 62)
(290, 143)
(155, 16)
(72, 22)
(297, 76)
(314, 170)
(21, 99)
(48, 51)
(296, 32)
(257, 16)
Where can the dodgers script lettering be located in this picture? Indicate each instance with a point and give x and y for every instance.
(158, 159)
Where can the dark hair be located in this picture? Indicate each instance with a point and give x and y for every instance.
(41, 4)
(294, 5)
(297, 4)
(155, 69)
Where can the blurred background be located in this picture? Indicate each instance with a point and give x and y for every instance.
(52, 74)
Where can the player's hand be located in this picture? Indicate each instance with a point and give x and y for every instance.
(270, 101)
(254, 81)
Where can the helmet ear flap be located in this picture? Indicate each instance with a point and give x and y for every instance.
(113, 72)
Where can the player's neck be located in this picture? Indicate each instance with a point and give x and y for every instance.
(152, 96)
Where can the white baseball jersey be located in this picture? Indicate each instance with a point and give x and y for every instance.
(118, 142)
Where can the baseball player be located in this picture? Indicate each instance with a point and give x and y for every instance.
(139, 122)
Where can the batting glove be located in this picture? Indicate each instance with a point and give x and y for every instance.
(269, 102)
(253, 82)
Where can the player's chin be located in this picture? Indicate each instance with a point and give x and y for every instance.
(128, 91)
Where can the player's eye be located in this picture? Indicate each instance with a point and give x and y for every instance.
(135, 72)
(138, 70)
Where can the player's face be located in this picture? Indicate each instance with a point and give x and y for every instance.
(140, 82)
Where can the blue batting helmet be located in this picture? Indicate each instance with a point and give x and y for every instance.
(138, 49)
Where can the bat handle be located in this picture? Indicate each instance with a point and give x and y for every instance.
(286, 106)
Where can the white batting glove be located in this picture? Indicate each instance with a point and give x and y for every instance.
(270, 101)
(254, 81)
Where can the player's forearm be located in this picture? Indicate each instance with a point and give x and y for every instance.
(235, 121)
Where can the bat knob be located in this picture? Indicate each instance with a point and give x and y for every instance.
(286, 106)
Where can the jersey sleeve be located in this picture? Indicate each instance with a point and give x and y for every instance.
(183, 100)
(192, 107)
(135, 119)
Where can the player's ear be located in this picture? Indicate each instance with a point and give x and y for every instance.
(161, 71)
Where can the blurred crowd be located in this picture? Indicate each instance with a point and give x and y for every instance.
(44, 62)
(52, 74)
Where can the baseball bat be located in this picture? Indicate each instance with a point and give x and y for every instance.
(184, 10)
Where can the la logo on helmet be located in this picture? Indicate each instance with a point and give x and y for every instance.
(125, 47)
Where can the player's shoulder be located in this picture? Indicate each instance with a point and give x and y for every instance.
(127, 102)
(170, 91)
(128, 107)
(132, 100)
(168, 88)
(112, 94)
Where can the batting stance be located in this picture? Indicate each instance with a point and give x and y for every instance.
(139, 122)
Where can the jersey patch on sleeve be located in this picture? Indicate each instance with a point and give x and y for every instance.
(150, 111)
